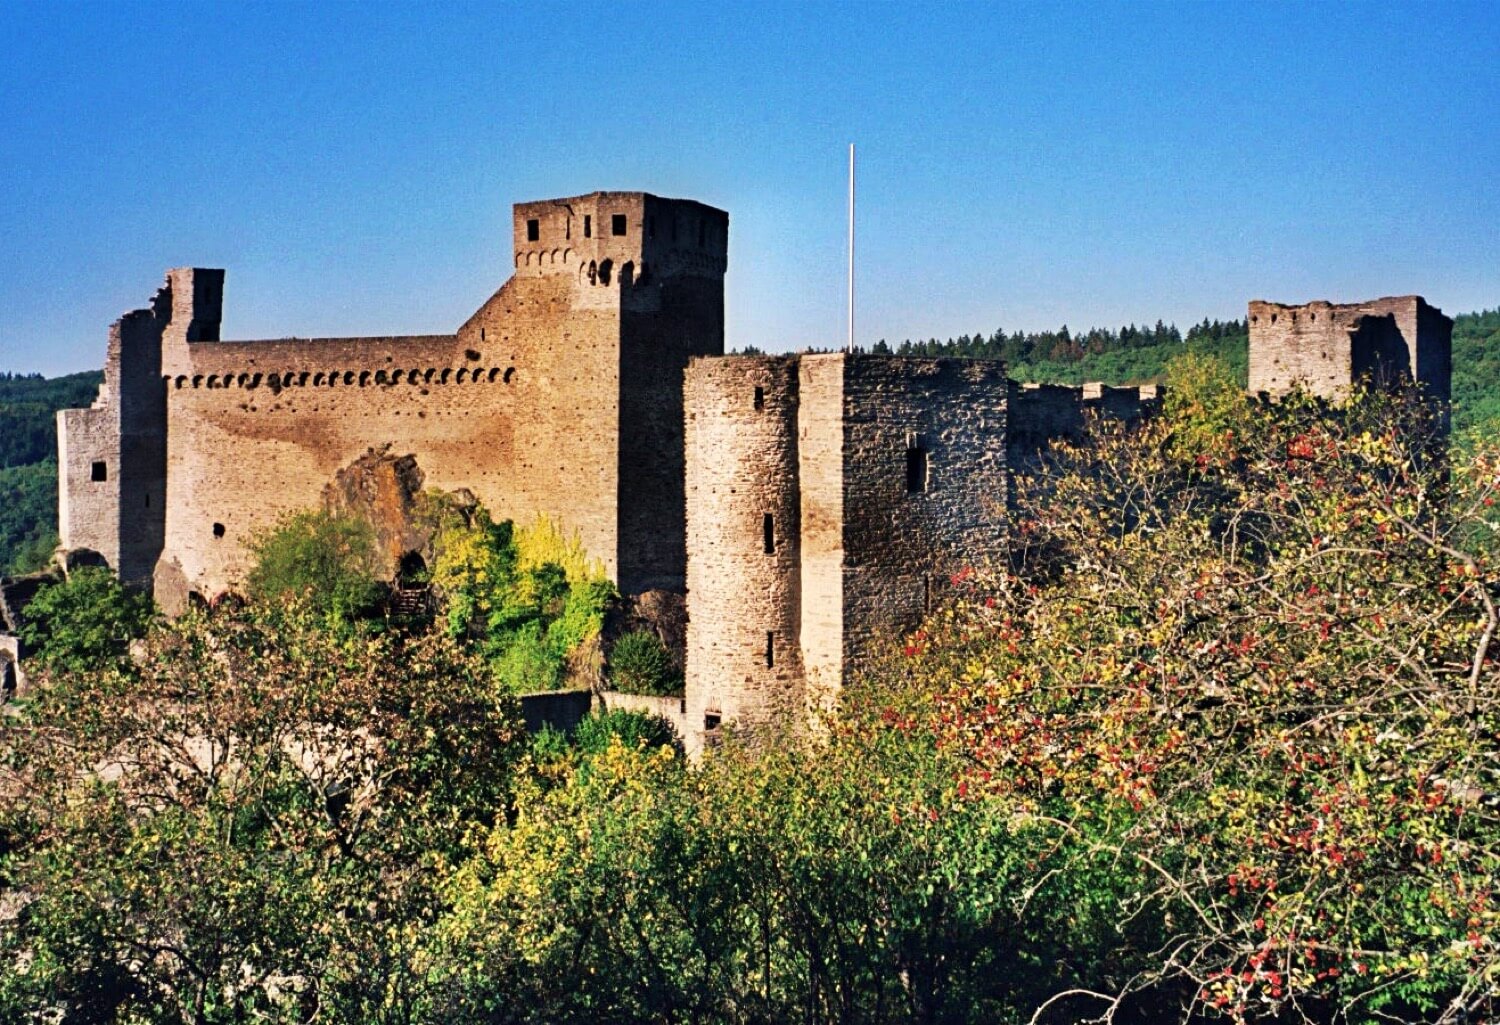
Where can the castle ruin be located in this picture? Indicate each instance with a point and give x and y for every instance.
(807, 505)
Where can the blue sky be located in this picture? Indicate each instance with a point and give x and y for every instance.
(1025, 166)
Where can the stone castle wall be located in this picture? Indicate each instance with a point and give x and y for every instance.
(1327, 347)
(560, 395)
(830, 498)
(810, 506)
(743, 541)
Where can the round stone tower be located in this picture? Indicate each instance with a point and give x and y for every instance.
(743, 653)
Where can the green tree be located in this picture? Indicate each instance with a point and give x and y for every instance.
(639, 663)
(330, 559)
(84, 622)
(251, 826)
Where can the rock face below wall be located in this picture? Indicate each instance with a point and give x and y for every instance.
(384, 490)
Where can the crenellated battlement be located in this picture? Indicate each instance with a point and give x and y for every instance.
(415, 377)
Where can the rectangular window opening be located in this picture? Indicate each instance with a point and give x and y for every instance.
(916, 470)
(533, 230)
(770, 649)
(98, 472)
(588, 225)
(711, 721)
(617, 224)
(760, 398)
(148, 500)
(768, 529)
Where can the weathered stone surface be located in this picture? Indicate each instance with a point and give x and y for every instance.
(809, 505)
(560, 395)
(829, 498)
(1326, 347)
(384, 491)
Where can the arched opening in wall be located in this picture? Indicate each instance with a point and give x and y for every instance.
(7, 676)
(510, 373)
(1273, 318)
(348, 377)
(197, 380)
(518, 260)
(494, 375)
(255, 380)
(364, 378)
(213, 380)
(555, 254)
(606, 268)
(567, 256)
(218, 530)
(302, 379)
(768, 533)
(380, 377)
(243, 380)
(627, 274)
(593, 272)
(412, 571)
(274, 382)
(461, 376)
(427, 377)
(413, 376)
(443, 377)
(181, 380)
(760, 397)
(396, 376)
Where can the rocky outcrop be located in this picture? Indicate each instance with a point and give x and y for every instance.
(385, 491)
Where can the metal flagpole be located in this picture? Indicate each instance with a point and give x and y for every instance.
(849, 347)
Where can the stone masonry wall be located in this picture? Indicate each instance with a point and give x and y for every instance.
(1326, 347)
(743, 652)
(561, 395)
(925, 487)
(820, 469)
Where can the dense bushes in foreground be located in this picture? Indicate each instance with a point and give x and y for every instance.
(1222, 745)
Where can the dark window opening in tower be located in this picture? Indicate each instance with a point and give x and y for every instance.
(768, 529)
(617, 224)
(218, 530)
(760, 398)
(588, 225)
(711, 721)
(98, 472)
(916, 470)
(533, 230)
(770, 649)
